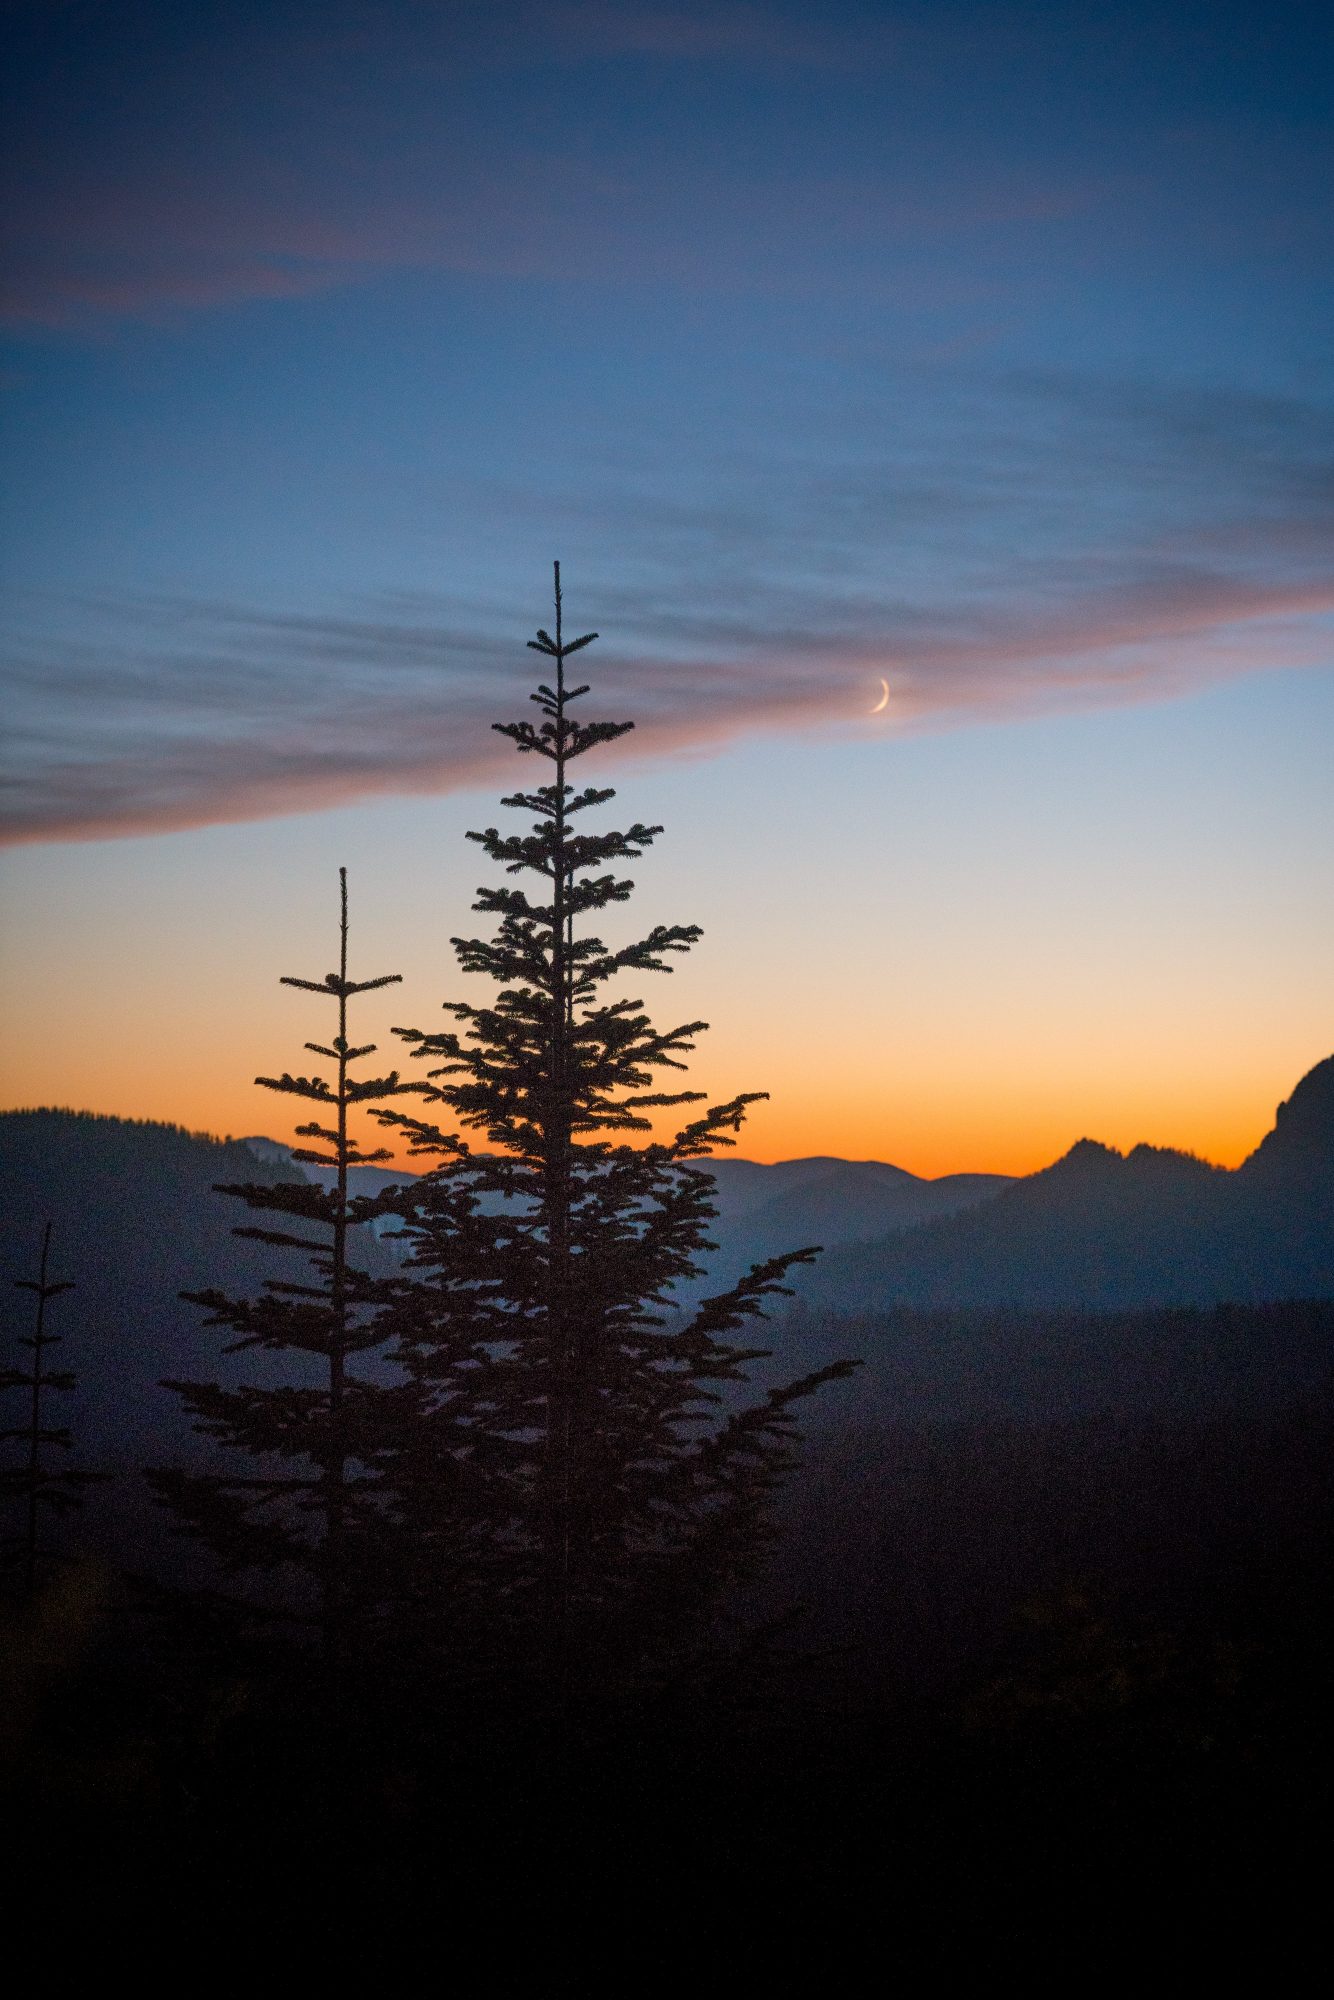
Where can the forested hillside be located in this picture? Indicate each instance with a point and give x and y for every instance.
(135, 1221)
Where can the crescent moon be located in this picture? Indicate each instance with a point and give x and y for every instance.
(883, 702)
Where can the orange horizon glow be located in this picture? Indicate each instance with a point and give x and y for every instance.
(1225, 1134)
(954, 954)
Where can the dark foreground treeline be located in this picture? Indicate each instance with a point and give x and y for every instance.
(1042, 1667)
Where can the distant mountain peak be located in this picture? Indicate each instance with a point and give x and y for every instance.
(1303, 1134)
(1170, 1159)
(1089, 1160)
(1085, 1153)
(1312, 1102)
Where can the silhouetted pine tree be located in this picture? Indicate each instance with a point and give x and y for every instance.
(34, 1482)
(579, 1423)
(305, 1498)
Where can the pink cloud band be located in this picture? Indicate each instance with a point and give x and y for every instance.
(346, 710)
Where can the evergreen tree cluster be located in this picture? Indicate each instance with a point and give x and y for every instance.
(550, 1473)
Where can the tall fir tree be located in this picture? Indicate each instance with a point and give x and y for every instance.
(35, 1482)
(304, 1499)
(580, 1422)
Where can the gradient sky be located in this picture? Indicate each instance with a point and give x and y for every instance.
(983, 348)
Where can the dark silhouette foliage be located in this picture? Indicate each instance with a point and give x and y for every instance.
(580, 1424)
(305, 1499)
(35, 1482)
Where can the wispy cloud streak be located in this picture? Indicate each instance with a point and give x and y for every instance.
(294, 152)
(1062, 543)
(230, 714)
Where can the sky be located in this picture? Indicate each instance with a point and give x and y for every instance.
(982, 354)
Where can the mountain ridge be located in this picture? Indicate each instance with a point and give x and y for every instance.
(1096, 1229)
(1105, 1230)
(136, 1220)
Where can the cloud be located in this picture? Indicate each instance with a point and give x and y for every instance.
(1030, 543)
(202, 168)
(139, 246)
(128, 241)
(198, 158)
(232, 714)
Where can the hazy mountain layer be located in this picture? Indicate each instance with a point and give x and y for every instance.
(763, 1209)
(136, 1222)
(1106, 1231)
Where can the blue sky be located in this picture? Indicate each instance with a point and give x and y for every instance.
(985, 350)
